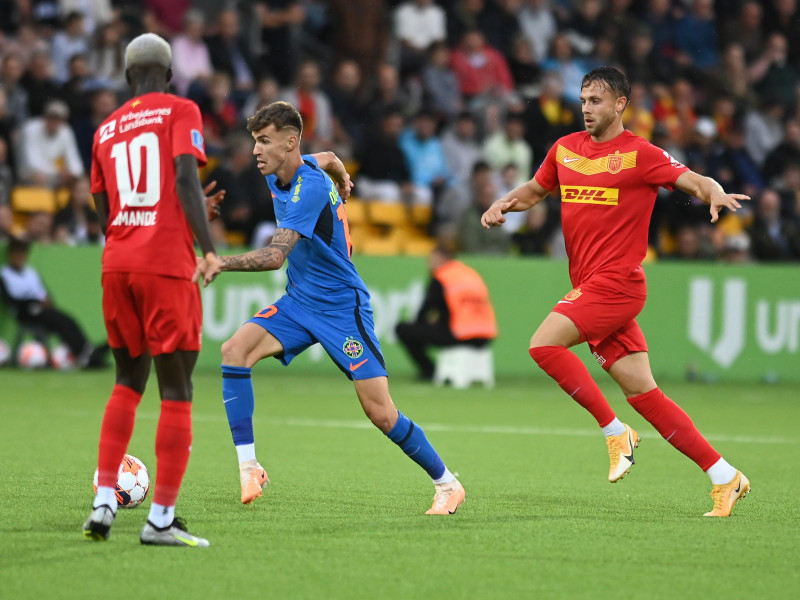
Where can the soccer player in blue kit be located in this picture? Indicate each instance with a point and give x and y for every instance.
(326, 301)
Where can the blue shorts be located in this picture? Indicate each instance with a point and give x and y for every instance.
(347, 335)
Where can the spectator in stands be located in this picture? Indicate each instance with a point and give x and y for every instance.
(456, 310)
(230, 54)
(736, 249)
(462, 147)
(473, 238)
(96, 12)
(464, 16)
(786, 153)
(8, 133)
(691, 244)
(524, 67)
(674, 108)
(424, 155)
(347, 108)
(361, 33)
(165, 17)
(439, 83)
(584, 26)
(50, 154)
(509, 147)
(571, 68)
(277, 18)
(539, 26)
(72, 40)
(417, 24)
(26, 43)
(16, 96)
(77, 90)
(220, 114)
(267, 91)
(39, 83)
(191, 62)
(77, 223)
(763, 128)
(696, 37)
(103, 102)
(549, 116)
(22, 288)
(782, 16)
(659, 17)
(383, 173)
(500, 25)
(774, 236)
(390, 93)
(772, 74)
(638, 117)
(745, 29)
(6, 176)
(639, 59)
(247, 209)
(314, 106)
(483, 73)
(107, 56)
(536, 237)
(731, 76)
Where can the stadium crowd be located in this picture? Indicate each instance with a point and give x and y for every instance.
(444, 105)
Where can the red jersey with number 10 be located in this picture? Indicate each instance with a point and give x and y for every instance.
(608, 191)
(133, 161)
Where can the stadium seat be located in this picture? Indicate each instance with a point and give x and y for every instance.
(419, 246)
(380, 246)
(421, 215)
(356, 211)
(463, 365)
(387, 214)
(62, 197)
(31, 199)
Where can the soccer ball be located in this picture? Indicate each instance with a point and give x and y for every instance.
(133, 482)
(62, 359)
(32, 355)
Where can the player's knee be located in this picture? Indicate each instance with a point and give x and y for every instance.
(233, 353)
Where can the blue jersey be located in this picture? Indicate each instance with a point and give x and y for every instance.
(320, 271)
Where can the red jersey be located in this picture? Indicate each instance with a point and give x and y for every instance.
(133, 161)
(608, 191)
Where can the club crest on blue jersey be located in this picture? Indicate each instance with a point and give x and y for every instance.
(353, 348)
(197, 139)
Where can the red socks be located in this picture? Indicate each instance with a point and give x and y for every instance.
(675, 426)
(173, 445)
(573, 377)
(115, 433)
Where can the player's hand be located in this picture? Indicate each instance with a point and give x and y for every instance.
(729, 201)
(345, 186)
(207, 269)
(494, 217)
(213, 202)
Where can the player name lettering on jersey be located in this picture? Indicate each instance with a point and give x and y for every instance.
(140, 118)
(145, 218)
(590, 195)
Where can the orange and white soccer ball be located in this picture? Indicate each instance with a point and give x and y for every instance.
(133, 482)
(62, 359)
(32, 355)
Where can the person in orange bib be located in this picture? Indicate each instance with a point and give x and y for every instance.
(456, 310)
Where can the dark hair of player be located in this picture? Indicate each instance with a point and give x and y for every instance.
(611, 78)
(278, 114)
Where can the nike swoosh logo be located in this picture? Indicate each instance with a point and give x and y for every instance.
(567, 159)
(188, 542)
(738, 488)
(226, 400)
(564, 302)
(353, 367)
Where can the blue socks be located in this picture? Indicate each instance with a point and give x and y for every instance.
(413, 442)
(237, 395)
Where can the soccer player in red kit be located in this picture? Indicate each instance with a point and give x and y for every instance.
(608, 179)
(147, 191)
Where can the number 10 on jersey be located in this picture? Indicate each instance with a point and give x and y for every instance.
(138, 169)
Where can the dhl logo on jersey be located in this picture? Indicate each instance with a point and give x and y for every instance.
(589, 195)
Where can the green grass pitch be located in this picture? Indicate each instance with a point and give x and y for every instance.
(344, 515)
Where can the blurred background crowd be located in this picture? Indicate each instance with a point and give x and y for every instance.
(437, 107)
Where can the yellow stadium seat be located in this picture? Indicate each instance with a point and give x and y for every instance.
(380, 246)
(62, 197)
(387, 214)
(30, 199)
(421, 215)
(418, 246)
(356, 211)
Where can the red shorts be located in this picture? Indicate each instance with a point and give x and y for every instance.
(605, 318)
(151, 312)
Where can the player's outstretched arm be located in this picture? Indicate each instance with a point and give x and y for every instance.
(710, 192)
(334, 167)
(268, 258)
(519, 199)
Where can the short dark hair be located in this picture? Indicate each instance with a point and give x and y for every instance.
(278, 114)
(612, 78)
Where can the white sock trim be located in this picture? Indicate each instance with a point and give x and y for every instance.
(161, 515)
(246, 452)
(106, 495)
(721, 472)
(446, 477)
(616, 427)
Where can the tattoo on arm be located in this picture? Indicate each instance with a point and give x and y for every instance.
(269, 258)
